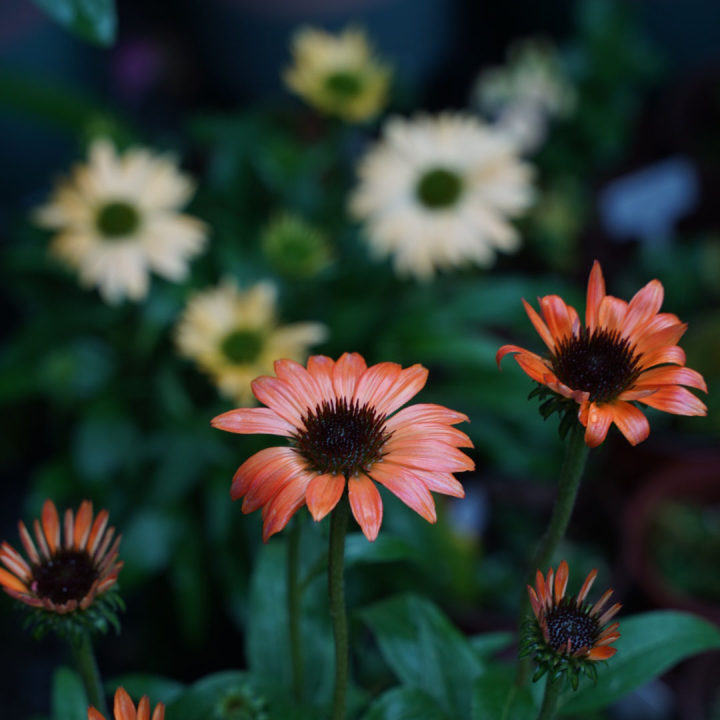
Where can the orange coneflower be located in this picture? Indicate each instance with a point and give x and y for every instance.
(625, 353)
(62, 575)
(339, 419)
(124, 709)
(570, 633)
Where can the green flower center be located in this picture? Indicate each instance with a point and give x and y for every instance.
(568, 622)
(439, 188)
(344, 84)
(342, 437)
(67, 575)
(242, 346)
(117, 219)
(601, 363)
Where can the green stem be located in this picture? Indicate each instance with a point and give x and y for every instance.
(336, 589)
(571, 474)
(550, 698)
(293, 606)
(82, 650)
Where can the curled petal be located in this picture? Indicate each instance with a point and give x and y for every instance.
(599, 418)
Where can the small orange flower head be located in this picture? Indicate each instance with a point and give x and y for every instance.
(624, 353)
(68, 570)
(346, 433)
(568, 634)
(124, 709)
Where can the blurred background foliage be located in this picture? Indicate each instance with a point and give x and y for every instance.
(97, 403)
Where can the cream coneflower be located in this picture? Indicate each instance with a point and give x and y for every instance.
(337, 74)
(124, 709)
(117, 219)
(62, 575)
(346, 431)
(437, 192)
(569, 634)
(234, 336)
(623, 354)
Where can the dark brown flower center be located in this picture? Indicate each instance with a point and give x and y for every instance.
(342, 437)
(568, 622)
(68, 575)
(601, 363)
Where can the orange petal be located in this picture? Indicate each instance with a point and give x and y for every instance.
(94, 714)
(375, 383)
(281, 398)
(506, 349)
(561, 580)
(667, 354)
(408, 384)
(601, 653)
(284, 505)
(346, 373)
(609, 614)
(540, 326)
(409, 488)
(598, 606)
(51, 525)
(14, 561)
(631, 422)
(159, 713)
(323, 494)
(321, 368)
(672, 376)
(676, 400)
(261, 493)
(585, 589)
(599, 418)
(644, 305)
(97, 531)
(425, 412)
(124, 709)
(558, 317)
(434, 456)
(595, 295)
(28, 544)
(366, 505)
(69, 528)
(534, 602)
(541, 588)
(302, 382)
(444, 483)
(83, 521)
(421, 432)
(665, 336)
(143, 709)
(253, 420)
(611, 314)
(260, 466)
(8, 580)
(536, 368)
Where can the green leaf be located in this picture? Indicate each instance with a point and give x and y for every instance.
(92, 20)
(69, 701)
(385, 549)
(425, 650)
(496, 697)
(200, 700)
(404, 703)
(156, 687)
(487, 644)
(649, 645)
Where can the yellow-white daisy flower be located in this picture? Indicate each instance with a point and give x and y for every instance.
(117, 219)
(337, 74)
(234, 336)
(437, 192)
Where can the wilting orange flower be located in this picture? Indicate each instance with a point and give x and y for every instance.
(625, 353)
(124, 709)
(341, 420)
(570, 627)
(62, 575)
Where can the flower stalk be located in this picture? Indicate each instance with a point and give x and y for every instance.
(550, 698)
(82, 650)
(338, 613)
(293, 601)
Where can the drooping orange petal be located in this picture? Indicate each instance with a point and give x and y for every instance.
(253, 420)
(10, 581)
(321, 368)
(124, 709)
(258, 466)
(284, 505)
(672, 376)
(366, 505)
(599, 418)
(83, 521)
(611, 314)
(409, 383)
(281, 398)
(631, 422)
(323, 494)
(603, 652)
(263, 490)
(301, 381)
(558, 316)
(595, 295)
(404, 484)
(561, 581)
(585, 589)
(536, 368)
(676, 400)
(375, 383)
(644, 305)
(539, 325)
(346, 373)
(51, 525)
(507, 349)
